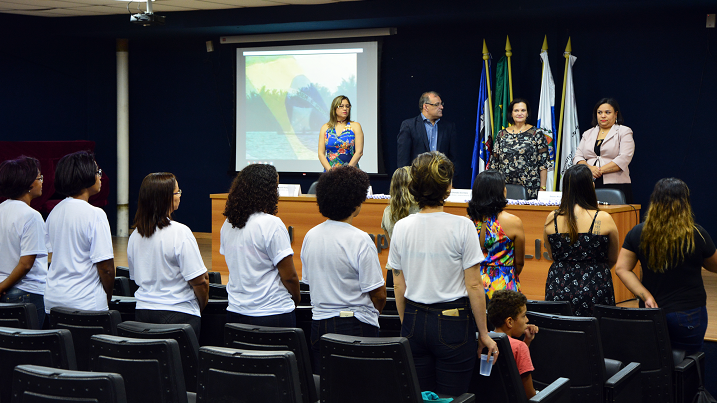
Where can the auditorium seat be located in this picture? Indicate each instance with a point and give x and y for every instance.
(83, 325)
(123, 271)
(611, 196)
(312, 188)
(124, 305)
(648, 342)
(250, 337)
(389, 290)
(214, 277)
(389, 325)
(505, 384)
(303, 286)
(21, 315)
(570, 347)
(564, 308)
(303, 322)
(370, 369)
(36, 384)
(218, 291)
(390, 307)
(182, 333)
(516, 192)
(151, 369)
(48, 348)
(121, 287)
(214, 317)
(305, 298)
(229, 375)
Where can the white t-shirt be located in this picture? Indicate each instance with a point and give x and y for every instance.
(162, 265)
(80, 238)
(432, 250)
(340, 264)
(23, 233)
(252, 253)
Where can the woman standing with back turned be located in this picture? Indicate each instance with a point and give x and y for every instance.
(672, 250)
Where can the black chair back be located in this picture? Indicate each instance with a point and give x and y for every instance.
(564, 308)
(121, 287)
(36, 384)
(151, 369)
(612, 196)
(648, 343)
(312, 188)
(516, 192)
(214, 277)
(218, 291)
(390, 307)
(48, 348)
(182, 333)
(123, 271)
(303, 322)
(264, 338)
(569, 347)
(305, 298)
(19, 315)
(124, 305)
(389, 325)
(214, 317)
(83, 325)
(231, 375)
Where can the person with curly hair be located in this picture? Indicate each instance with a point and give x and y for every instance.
(82, 272)
(164, 259)
(583, 243)
(23, 238)
(340, 262)
(263, 284)
(400, 206)
(340, 139)
(435, 257)
(503, 240)
(672, 249)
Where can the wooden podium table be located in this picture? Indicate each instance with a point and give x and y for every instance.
(300, 214)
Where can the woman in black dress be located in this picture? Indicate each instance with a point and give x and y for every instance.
(583, 242)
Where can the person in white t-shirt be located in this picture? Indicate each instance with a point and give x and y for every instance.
(23, 238)
(82, 272)
(263, 285)
(435, 257)
(164, 259)
(340, 262)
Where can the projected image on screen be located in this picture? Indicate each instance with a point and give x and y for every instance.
(284, 94)
(288, 99)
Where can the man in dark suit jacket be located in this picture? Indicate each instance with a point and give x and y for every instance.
(427, 132)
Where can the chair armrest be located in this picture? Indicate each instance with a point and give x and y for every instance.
(625, 386)
(556, 392)
(685, 380)
(465, 398)
(678, 356)
(612, 367)
(686, 364)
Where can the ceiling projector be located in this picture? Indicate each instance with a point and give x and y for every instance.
(146, 19)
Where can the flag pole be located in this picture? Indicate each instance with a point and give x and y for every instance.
(544, 49)
(486, 57)
(568, 50)
(508, 54)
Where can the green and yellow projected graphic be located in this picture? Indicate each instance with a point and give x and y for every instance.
(288, 98)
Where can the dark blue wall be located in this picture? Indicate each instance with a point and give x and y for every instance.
(57, 81)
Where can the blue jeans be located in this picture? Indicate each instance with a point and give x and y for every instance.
(280, 320)
(15, 296)
(169, 317)
(348, 326)
(444, 347)
(687, 329)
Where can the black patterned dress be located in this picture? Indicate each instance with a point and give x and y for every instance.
(520, 157)
(580, 272)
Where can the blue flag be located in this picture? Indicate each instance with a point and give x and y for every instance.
(483, 145)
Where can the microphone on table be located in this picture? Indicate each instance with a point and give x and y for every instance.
(604, 203)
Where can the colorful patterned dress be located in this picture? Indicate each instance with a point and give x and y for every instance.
(497, 269)
(340, 149)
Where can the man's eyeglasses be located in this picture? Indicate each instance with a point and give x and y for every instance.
(437, 104)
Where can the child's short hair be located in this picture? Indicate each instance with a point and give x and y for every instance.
(505, 304)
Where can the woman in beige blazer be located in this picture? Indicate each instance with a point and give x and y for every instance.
(607, 148)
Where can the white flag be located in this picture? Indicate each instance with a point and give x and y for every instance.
(546, 115)
(571, 131)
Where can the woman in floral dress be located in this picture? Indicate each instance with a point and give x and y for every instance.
(340, 140)
(521, 151)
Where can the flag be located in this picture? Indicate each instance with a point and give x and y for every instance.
(502, 97)
(483, 146)
(546, 115)
(571, 131)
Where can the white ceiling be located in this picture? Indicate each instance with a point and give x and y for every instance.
(75, 8)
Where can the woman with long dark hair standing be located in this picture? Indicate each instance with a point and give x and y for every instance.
(501, 234)
(672, 249)
(164, 258)
(583, 243)
(263, 284)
